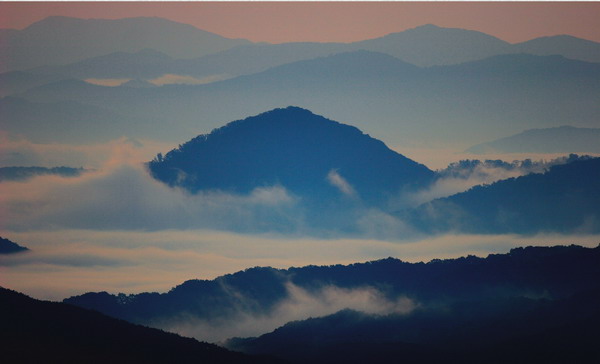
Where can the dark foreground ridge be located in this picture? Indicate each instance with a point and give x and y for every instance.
(468, 309)
(49, 332)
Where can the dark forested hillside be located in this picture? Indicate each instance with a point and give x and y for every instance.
(535, 272)
(564, 199)
(313, 157)
(513, 330)
(49, 332)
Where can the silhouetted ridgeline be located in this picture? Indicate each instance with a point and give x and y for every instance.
(538, 272)
(315, 158)
(48, 332)
(467, 167)
(60, 40)
(9, 247)
(564, 199)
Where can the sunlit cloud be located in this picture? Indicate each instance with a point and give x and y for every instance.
(22, 152)
(111, 82)
(170, 79)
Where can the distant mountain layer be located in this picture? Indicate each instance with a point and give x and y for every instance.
(564, 199)
(57, 38)
(382, 95)
(563, 139)
(41, 331)
(61, 40)
(550, 273)
(24, 173)
(9, 247)
(312, 157)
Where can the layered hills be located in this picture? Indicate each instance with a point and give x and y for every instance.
(460, 307)
(380, 94)
(60, 40)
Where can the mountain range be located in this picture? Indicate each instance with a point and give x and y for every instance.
(460, 307)
(516, 330)
(378, 93)
(425, 45)
(403, 87)
(336, 171)
(59, 40)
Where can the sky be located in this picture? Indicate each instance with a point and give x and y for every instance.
(277, 22)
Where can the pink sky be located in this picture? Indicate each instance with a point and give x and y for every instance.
(334, 21)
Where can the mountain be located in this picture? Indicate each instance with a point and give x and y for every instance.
(430, 45)
(9, 247)
(564, 199)
(312, 157)
(24, 173)
(516, 330)
(424, 46)
(41, 331)
(564, 45)
(548, 273)
(60, 40)
(382, 95)
(19, 81)
(563, 139)
(145, 63)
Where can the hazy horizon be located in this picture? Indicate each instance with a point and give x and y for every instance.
(333, 22)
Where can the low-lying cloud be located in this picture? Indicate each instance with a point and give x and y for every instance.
(22, 152)
(340, 183)
(300, 304)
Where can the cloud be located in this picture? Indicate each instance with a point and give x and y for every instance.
(340, 183)
(111, 82)
(169, 79)
(300, 304)
(21, 152)
(448, 186)
(126, 197)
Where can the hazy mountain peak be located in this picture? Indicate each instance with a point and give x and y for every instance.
(61, 40)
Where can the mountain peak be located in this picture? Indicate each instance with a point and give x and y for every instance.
(309, 155)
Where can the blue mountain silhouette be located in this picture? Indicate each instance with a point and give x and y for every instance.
(312, 157)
